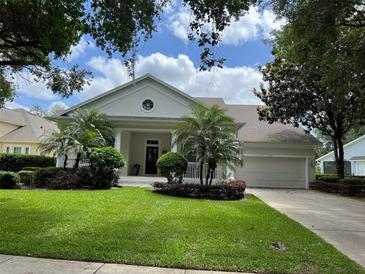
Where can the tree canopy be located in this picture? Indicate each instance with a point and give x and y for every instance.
(36, 34)
(316, 78)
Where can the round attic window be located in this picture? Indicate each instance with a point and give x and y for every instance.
(148, 105)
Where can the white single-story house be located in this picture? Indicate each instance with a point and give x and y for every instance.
(354, 156)
(144, 113)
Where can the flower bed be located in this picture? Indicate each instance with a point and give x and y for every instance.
(231, 191)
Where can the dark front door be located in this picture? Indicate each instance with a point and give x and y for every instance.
(151, 159)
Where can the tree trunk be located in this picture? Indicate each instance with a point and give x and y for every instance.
(207, 176)
(77, 161)
(201, 172)
(65, 161)
(211, 176)
(339, 157)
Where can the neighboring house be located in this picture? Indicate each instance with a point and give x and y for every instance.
(22, 131)
(144, 113)
(354, 156)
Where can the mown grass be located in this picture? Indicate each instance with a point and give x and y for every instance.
(135, 226)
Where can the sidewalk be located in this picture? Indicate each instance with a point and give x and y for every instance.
(29, 265)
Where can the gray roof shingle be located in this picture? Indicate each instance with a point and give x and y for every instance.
(30, 127)
(255, 130)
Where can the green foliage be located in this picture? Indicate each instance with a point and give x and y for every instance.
(85, 130)
(214, 192)
(35, 35)
(172, 166)
(44, 176)
(106, 158)
(102, 162)
(9, 180)
(131, 225)
(31, 168)
(31, 32)
(26, 177)
(60, 143)
(316, 78)
(210, 134)
(16, 162)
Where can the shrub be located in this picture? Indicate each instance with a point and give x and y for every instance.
(44, 176)
(31, 168)
(106, 157)
(350, 186)
(237, 184)
(85, 175)
(9, 180)
(217, 192)
(65, 179)
(102, 162)
(26, 177)
(16, 162)
(172, 166)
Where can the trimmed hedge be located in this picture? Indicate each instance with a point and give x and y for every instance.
(26, 177)
(230, 191)
(9, 180)
(350, 186)
(16, 162)
(83, 177)
(173, 166)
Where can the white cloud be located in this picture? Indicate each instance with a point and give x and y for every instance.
(253, 25)
(77, 50)
(233, 84)
(13, 105)
(27, 85)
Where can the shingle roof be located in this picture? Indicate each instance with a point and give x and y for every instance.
(255, 130)
(30, 127)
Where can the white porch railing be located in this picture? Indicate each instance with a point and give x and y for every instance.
(193, 171)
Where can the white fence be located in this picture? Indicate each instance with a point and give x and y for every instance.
(193, 171)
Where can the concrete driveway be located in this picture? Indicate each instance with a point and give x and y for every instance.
(338, 220)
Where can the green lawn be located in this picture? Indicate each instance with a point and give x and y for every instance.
(135, 226)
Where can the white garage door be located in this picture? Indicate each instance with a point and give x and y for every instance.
(272, 172)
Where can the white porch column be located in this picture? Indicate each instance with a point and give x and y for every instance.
(173, 143)
(117, 138)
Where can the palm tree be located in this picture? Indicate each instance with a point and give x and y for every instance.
(223, 149)
(59, 143)
(197, 133)
(89, 129)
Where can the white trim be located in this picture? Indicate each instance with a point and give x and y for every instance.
(22, 149)
(129, 84)
(306, 170)
(345, 146)
(277, 156)
(156, 130)
(153, 107)
(145, 152)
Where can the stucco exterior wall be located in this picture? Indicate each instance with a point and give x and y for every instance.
(33, 147)
(128, 101)
(137, 149)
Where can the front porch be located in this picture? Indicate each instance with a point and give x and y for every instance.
(143, 146)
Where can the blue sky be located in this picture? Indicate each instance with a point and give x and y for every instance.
(174, 59)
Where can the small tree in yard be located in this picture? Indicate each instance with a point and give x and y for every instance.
(172, 166)
(205, 133)
(89, 129)
(223, 149)
(317, 77)
(103, 161)
(59, 143)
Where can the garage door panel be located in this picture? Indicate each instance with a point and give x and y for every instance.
(273, 172)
